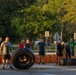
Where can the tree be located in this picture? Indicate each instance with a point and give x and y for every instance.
(8, 9)
(34, 21)
(31, 18)
(65, 13)
(70, 15)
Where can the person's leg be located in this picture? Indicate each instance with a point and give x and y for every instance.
(4, 61)
(59, 58)
(39, 59)
(66, 56)
(56, 59)
(43, 59)
(69, 54)
(39, 56)
(72, 52)
(9, 59)
(10, 65)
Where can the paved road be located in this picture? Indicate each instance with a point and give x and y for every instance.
(47, 69)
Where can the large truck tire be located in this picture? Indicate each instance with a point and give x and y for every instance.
(67, 62)
(23, 58)
(64, 62)
(73, 61)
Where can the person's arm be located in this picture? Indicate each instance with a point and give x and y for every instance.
(65, 49)
(10, 48)
(57, 51)
(37, 46)
(1, 48)
(45, 46)
(25, 45)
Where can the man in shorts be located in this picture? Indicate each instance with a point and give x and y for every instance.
(41, 46)
(6, 52)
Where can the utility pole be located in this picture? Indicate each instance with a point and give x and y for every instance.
(62, 31)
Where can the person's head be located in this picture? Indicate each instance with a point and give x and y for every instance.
(71, 40)
(27, 40)
(67, 44)
(62, 43)
(42, 40)
(7, 39)
(22, 41)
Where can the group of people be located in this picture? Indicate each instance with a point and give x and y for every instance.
(6, 51)
(24, 44)
(41, 47)
(67, 49)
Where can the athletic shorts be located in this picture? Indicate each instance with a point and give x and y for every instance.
(60, 54)
(6, 57)
(41, 53)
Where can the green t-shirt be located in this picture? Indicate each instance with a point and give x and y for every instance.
(72, 45)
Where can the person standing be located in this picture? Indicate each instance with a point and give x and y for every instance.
(59, 53)
(72, 43)
(41, 47)
(68, 51)
(27, 44)
(6, 52)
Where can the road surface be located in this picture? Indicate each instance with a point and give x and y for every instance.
(47, 69)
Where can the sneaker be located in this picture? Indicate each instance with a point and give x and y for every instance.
(3, 67)
(11, 67)
(43, 63)
(56, 64)
(39, 63)
(6, 66)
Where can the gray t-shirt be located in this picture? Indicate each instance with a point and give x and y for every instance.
(6, 47)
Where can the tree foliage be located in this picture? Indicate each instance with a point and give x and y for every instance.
(31, 18)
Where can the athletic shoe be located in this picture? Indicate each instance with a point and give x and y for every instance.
(39, 63)
(43, 63)
(11, 67)
(6, 66)
(3, 66)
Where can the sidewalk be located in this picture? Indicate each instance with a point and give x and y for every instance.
(41, 69)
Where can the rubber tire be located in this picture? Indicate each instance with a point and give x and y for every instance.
(73, 61)
(64, 61)
(23, 52)
(67, 62)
